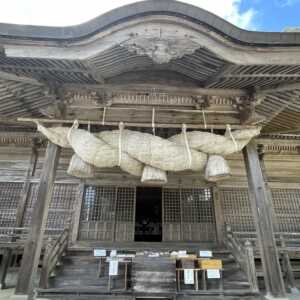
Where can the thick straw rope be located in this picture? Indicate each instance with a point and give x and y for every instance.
(131, 149)
(188, 149)
(121, 127)
(232, 137)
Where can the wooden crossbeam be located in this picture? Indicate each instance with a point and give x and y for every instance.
(178, 90)
(129, 124)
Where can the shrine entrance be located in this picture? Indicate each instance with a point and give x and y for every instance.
(147, 214)
(148, 218)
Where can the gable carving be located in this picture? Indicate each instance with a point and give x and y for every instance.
(161, 50)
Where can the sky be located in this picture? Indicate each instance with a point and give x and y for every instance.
(262, 15)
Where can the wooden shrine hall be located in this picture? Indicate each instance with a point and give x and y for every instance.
(155, 87)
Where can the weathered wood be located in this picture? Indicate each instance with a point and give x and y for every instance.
(251, 270)
(32, 251)
(77, 212)
(52, 257)
(268, 189)
(219, 216)
(263, 222)
(287, 266)
(162, 88)
(26, 187)
(6, 259)
(133, 124)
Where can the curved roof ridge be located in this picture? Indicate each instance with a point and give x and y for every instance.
(144, 8)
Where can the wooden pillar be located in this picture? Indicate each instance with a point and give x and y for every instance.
(33, 247)
(263, 222)
(77, 212)
(219, 216)
(26, 187)
(270, 200)
(6, 259)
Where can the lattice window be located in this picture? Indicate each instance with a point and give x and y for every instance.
(188, 215)
(197, 205)
(286, 204)
(99, 204)
(125, 204)
(61, 206)
(237, 209)
(171, 205)
(10, 193)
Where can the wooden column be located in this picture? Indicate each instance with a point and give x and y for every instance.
(6, 259)
(270, 200)
(219, 216)
(77, 212)
(33, 247)
(263, 222)
(26, 187)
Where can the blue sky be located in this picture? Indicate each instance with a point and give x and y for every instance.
(263, 15)
(273, 15)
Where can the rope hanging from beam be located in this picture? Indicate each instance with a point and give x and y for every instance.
(138, 149)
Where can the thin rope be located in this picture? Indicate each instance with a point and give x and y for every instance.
(153, 120)
(103, 116)
(74, 126)
(204, 119)
(187, 145)
(232, 137)
(121, 127)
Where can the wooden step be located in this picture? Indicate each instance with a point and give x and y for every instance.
(153, 275)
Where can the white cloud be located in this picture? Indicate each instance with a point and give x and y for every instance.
(284, 3)
(70, 12)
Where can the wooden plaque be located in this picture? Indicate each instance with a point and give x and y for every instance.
(209, 264)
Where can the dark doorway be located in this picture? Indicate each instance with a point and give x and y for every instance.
(148, 227)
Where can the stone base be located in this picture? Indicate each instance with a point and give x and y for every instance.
(295, 291)
(18, 297)
(270, 297)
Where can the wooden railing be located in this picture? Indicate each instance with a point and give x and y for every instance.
(244, 255)
(19, 234)
(53, 252)
(287, 243)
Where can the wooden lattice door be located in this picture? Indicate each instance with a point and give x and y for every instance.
(10, 194)
(188, 215)
(107, 214)
(61, 207)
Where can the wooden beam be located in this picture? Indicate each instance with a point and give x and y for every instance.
(220, 74)
(197, 91)
(277, 88)
(34, 244)
(129, 124)
(263, 221)
(13, 77)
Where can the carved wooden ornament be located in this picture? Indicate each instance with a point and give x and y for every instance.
(161, 50)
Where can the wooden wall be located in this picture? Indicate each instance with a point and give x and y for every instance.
(282, 172)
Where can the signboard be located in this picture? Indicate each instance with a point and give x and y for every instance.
(210, 264)
(213, 274)
(182, 253)
(99, 252)
(189, 276)
(113, 268)
(205, 253)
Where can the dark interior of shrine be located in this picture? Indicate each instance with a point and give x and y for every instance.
(148, 220)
